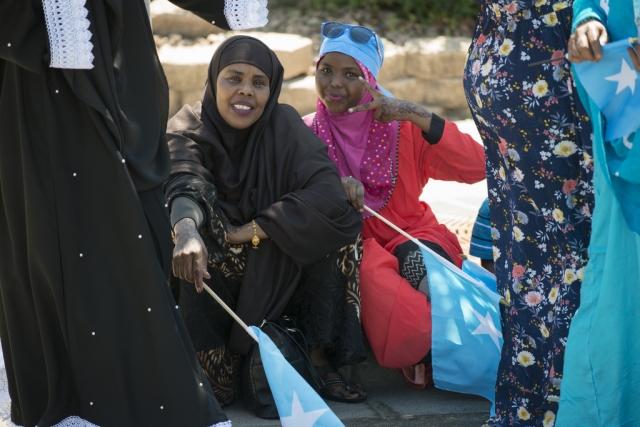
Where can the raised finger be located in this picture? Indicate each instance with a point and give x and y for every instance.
(364, 107)
(593, 35)
(372, 90)
(178, 263)
(188, 268)
(198, 273)
(584, 48)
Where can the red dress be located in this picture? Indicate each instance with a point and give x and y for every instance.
(395, 316)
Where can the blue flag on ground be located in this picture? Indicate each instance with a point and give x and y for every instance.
(467, 335)
(298, 404)
(612, 85)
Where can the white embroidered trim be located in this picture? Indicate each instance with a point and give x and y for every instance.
(69, 34)
(245, 14)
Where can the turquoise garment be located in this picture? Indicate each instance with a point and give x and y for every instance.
(601, 386)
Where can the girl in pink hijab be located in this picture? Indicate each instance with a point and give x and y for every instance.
(386, 150)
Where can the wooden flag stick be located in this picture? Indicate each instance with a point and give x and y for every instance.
(231, 313)
(446, 262)
(546, 61)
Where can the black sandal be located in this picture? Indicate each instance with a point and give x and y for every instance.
(329, 394)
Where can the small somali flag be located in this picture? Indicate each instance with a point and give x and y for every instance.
(466, 331)
(612, 85)
(298, 404)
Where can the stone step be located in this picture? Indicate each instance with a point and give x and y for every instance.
(167, 19)
(390, 403)
(433, 58)
(186, 65)
(426, 71)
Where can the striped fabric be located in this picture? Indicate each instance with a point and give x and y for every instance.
(481, 245)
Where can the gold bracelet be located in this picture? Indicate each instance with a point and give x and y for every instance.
(255, 240)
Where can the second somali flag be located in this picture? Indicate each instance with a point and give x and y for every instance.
(467, 336)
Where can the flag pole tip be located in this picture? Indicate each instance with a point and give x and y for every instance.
(504, 302)
(251, 333)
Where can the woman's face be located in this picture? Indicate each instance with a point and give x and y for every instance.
(337, 82)
(242, 92)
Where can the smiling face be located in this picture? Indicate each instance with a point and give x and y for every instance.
(337, 82)
(242, 91)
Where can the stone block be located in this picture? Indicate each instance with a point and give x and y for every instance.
(166, 18)
(301, 94)
(394, 63)
(175, 102)
(293, 51)
(447, 93)
(434, 58)
(407, 88)
(192, 97)
(186, 67)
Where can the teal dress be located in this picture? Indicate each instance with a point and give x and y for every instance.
(601, 386)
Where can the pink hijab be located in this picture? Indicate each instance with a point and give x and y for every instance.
(361, 146)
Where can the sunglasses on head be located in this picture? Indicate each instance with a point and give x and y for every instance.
(357, 33)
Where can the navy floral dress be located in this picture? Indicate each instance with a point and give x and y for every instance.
(539, 171)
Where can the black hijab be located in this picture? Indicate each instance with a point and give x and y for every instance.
(277, 172)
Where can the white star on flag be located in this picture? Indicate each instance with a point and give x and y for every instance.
(626, 78)
(300, 418)
(487, 327)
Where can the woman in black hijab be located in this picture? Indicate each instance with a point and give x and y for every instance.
(276, 232)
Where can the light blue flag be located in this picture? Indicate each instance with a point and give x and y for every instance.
(466, 330)
(298, 404)
(612, 85)
(480, 273)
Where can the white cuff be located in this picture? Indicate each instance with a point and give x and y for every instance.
(69, 34)
(245, 14)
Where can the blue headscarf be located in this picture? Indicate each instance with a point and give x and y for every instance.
(367, 53)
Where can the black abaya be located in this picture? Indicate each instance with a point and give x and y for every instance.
(278, 173)
(89, 329)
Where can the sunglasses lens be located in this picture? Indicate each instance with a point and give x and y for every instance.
(361, 34)
(332, 30)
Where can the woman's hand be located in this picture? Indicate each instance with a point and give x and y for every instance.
(585, 44)
(189, 254)
(354, 191)
(389, 109)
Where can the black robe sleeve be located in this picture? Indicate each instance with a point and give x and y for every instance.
(210, 10)
(23, 34)
(315, 218)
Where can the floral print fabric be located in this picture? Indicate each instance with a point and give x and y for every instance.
(539, 175)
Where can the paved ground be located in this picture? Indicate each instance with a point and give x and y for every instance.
(391, 403)
(394, 407)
